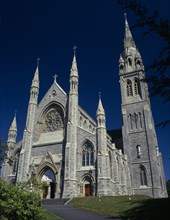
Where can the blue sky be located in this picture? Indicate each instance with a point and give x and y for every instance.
(49, 29)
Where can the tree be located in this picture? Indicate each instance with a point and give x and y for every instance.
(152, 23)
(19, 204)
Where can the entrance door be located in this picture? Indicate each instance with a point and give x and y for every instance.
(53, 190)
(88, 190)
(49, 178)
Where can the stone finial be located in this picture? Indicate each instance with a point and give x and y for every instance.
(35, 81)
(74, 70)
(100, 109)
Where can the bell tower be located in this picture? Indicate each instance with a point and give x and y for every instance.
(139, 136)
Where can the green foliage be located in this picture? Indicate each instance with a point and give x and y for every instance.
(50, 216)
(19, 204)
(33, 185)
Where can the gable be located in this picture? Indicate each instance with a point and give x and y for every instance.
(50, 116)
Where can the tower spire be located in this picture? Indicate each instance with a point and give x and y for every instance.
(35, 81)
(100, 109)
(12, 134)
(74, 70)
(13, 126)
(128, 40)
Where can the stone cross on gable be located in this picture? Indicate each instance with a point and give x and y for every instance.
(55, 78)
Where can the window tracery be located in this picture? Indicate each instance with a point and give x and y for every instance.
(137, 86)
(129, 88)
(87, 154)
(135, 121)
(53, 120)
(143, 178)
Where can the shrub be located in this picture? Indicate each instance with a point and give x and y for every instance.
(18, 204)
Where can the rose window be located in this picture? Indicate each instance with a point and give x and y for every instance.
(53, 120)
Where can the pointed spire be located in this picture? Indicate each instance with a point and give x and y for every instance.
(128, 40)
(13, 126)
(35, 81)
(100, 109)
(74, 70)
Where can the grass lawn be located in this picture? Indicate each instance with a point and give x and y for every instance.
(138, 207)
(50, 216)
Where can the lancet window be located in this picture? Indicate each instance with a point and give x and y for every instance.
(87, 154)
(129, 88)
(143, 177)
(110, 164)
(137, 86)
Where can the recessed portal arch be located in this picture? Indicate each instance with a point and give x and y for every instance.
(87, 185)
(48, 175)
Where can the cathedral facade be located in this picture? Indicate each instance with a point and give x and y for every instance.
(75, 154)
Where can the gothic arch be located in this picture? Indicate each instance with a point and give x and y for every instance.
(88, 176)
(87, 185)
(44, 167)
(143, 175)
(137, 86)
(110, 164)
(15, 159)
(48, 173)
(129, 89)
(52, 118)
(117, 168)
(87, 149)
(129, 59)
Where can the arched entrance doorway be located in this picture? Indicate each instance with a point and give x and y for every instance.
(88, 186)
(49, 178)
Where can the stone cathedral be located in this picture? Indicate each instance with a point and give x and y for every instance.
(75, 154)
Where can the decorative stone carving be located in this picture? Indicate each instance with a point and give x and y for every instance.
(54, 93)
(53, 120)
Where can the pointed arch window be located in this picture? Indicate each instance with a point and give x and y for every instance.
(110, 164)
(117, 169)
(137, 86)
(143, 177)
(130, 61)
(129, 88)
(87, 154)
(52, 119)
(15, 162)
